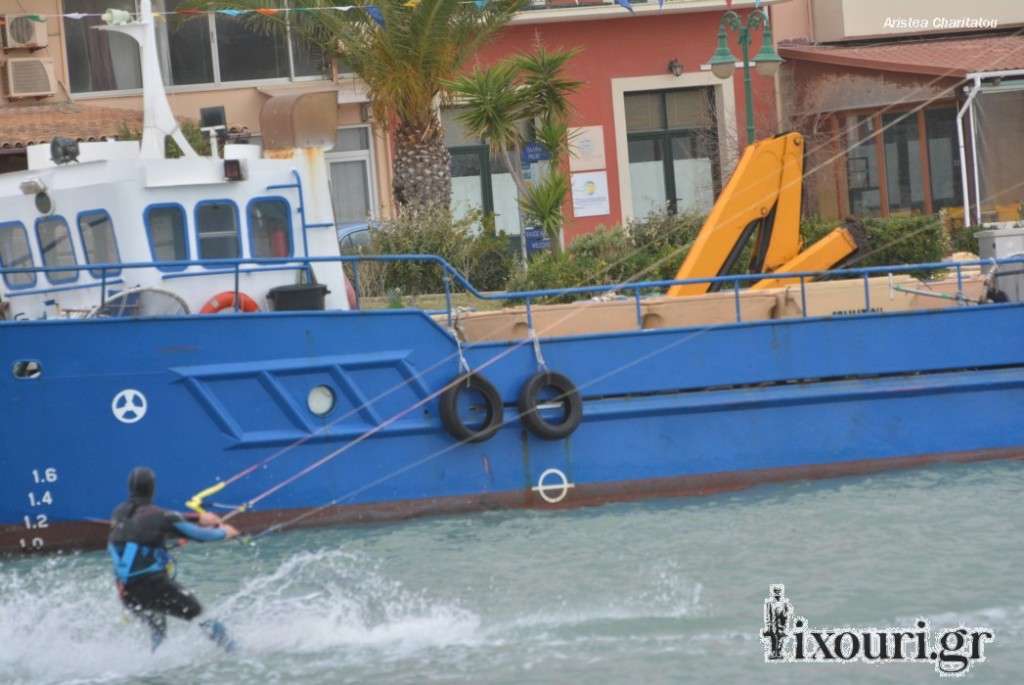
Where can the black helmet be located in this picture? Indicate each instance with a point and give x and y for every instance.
(142, 482)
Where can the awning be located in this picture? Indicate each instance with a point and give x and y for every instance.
(954, 57)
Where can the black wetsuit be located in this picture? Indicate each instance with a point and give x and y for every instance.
(139, 535)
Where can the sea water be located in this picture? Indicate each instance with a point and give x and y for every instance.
(661, 591)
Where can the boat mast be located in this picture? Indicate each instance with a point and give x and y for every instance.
(159, 121)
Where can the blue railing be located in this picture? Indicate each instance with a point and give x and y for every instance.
(630, 290)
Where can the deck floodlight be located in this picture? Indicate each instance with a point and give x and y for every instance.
(32, 186)
(213, 117)
(63, 150)
(214, 123)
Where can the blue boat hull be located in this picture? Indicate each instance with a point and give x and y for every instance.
(666, 411)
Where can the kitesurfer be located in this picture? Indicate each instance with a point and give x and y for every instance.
(139, 535)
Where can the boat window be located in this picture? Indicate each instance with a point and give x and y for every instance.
(269, 229)
(27, 368)
(98, 241)
(15, 254)
(165, 226)
(55, 244)
(217, 224)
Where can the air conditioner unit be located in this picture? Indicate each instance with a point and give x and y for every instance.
(22, 32)
(29, 78)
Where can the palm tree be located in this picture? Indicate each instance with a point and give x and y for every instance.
(498, 102)
(404, 51)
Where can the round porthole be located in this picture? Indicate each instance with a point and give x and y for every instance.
(320, 400)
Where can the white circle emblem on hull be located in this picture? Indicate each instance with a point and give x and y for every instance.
(547, 491)
(129, 406)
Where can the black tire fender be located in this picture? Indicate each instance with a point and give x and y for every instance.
(449, 406)
(566, 393)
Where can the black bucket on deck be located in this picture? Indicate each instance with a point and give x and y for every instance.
(298, 298)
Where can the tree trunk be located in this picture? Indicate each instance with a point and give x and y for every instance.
(422, 177)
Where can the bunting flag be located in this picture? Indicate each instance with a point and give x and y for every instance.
(374, 12)
(757, 4)
(728, 4)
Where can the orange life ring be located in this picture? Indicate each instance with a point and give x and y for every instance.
(226, 301)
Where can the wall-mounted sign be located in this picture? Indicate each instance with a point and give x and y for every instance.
(536, 240)
(533, 152)
(586, 146)
(590, 193)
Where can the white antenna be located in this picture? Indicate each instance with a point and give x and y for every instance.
(158, 120)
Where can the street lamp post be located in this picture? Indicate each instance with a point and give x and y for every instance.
(766, 61)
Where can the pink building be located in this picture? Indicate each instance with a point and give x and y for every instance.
(657, 130)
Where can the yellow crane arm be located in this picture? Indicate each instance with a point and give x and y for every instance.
(763, 195)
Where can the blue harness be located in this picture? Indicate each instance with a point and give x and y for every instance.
(123, 560)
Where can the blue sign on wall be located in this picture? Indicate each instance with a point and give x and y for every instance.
(536, 240)
(533, 152)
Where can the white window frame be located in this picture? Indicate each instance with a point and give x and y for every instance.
(367, 156)
(725, 103)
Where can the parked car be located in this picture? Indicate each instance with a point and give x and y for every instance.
(353, 237)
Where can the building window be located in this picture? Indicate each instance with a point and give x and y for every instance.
(206, 49)
(672, 139)
(904, 181)
(480, 181)
(55, 245)
(217, 227)
(98, 60)
(943, 158)
(862, 166)
(353, 190)
(269, 229)
(898, 174)
(165, 225)
(98, 241)
(15, 254)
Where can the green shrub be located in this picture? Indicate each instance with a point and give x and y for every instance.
(663, 240)
(893, 240)
(645, 249)
(547, 270)
(491, 258)
(485, 258)
(815, 228)
(648, 249)
(195, 136)
(905, 240)
(966, 239)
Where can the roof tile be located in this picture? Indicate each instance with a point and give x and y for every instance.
(28, 125)
(953, 56)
